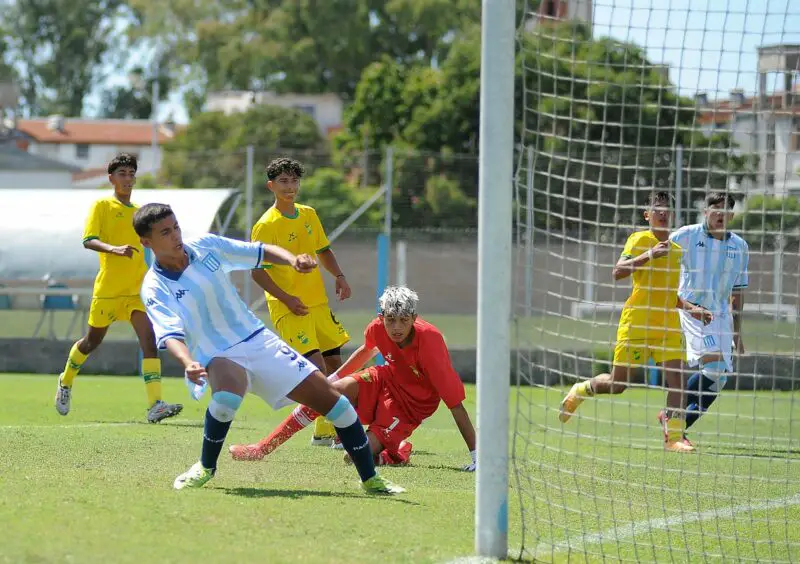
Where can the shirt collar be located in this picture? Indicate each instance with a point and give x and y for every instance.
(708, 233)
(171, 274)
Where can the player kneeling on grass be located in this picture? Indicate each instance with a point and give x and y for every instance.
(393, 399)
(649, 325)
(199, 317)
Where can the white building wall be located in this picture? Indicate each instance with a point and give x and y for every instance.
(97, 157)
(34, 180)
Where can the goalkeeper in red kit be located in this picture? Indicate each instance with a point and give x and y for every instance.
(392, 399)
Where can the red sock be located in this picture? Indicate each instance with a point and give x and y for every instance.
(300, 418)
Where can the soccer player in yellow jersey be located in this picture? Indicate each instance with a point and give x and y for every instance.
(109, 232)
(649, 325)
(298, 305)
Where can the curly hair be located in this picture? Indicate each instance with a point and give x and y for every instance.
(284, 165)
(398, 301)
(122, 159)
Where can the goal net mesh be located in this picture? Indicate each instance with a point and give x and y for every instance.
(618, 99)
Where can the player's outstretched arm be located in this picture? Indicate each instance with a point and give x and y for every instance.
(737, 304)
(627, 265)
(698, 312)
(101, 247)
(266, 283)
(357, 360)
(274, 254)
(465, 427)
(193, 369)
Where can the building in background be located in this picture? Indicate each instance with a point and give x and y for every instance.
(326, 109)
(22, 170)
(89, 144)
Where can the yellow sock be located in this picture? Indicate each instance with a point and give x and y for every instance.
(675, 428)
(74, 362)
(585, 389)
(151, 372)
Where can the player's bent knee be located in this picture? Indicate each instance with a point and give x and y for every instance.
(342, 414)
(224, 405)
(716, 373)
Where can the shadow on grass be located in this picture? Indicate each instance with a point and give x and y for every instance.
(740, 452)
(299, 494)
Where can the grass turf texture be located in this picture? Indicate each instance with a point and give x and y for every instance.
(96, 486)
(761, 335)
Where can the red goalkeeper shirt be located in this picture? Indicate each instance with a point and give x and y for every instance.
(421, 373)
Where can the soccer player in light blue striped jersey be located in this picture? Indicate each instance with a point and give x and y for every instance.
(714, 276)
(198, 316)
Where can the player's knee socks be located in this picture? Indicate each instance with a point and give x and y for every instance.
(702, 389)
(300, 418)
(151, 373)
(354, 439)
(74, 362)
(219, 415)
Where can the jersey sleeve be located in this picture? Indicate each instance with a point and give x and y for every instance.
(435, 359)
(235, 254)
(630, 249)
(743, 278)
(263, 233)
(94, 222)
(167, 324)
(321, 242)
(681, 237)
(370, 342)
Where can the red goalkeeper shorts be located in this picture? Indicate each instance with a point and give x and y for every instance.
(379, 410)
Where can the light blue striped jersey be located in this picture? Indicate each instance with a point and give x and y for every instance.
(200, 305)
(711, 268)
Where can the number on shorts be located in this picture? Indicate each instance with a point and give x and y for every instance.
(287, 351)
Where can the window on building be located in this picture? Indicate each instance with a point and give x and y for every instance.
(770, 179)
(81, 151)
(771, 137)
(307, 108)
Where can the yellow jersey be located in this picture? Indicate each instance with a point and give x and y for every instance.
(301, 233)
(650, 311)
(111, 221)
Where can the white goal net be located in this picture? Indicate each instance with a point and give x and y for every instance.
(619, 99)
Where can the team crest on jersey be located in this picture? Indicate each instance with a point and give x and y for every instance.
(730, 252)
(389, 358)
(416, 372)
(302, 337)
(308, 228)
(211, 262)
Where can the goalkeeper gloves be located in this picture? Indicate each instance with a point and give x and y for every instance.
(472, 466)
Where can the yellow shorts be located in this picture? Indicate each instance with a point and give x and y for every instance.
(105, 311)
(319, 330)
(637, 352)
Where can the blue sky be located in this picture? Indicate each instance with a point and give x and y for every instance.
(710, 45)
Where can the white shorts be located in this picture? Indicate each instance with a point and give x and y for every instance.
(716, 337)
(273, 368)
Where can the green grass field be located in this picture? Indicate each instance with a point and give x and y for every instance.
(96, 486)
(761, 335)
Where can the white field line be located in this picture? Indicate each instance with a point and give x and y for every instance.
(629, 530)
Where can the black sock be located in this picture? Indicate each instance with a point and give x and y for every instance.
(214, 433)
(355, 442)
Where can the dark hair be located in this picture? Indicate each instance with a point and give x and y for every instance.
(716, 198)
(122, 159)
(661, 197)
(147, 216)
(284, 165)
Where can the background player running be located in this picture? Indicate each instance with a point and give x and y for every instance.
(199, 317)
(649, 325)
(298, 304)
(714, 276)
(115, 297)
(395, 398)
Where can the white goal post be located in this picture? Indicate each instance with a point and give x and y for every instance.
(495, 196)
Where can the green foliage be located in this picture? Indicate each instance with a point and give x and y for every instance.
(602, 361)
(449, 204)
(210, 152)
(59, 47)
(765, 218)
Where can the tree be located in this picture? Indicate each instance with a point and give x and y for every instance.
(59, 47)
(132, 102)
(210, 152)
(766, 218)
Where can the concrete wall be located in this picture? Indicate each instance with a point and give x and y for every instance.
(38, 356)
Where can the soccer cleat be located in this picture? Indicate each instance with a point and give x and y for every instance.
(194, 477)
(687, 442)
(63, 397)
(662, 420)
(678, 446)
(570, 403)
(248, 453)
(162, 410)
(378, 485)
(324, 432)
(337, 444)
(400, 457)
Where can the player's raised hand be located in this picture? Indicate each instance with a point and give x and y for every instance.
(661, 249)
(296, 306)
(124, 251)
(701, 314)
(304, 263)
(195, 372)
(342, 288)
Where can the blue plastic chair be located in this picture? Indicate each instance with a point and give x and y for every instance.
(52, 304)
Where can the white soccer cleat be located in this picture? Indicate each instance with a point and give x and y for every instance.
(63, 397)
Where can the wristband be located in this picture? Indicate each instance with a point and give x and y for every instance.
(340, 276)
(650, 254)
